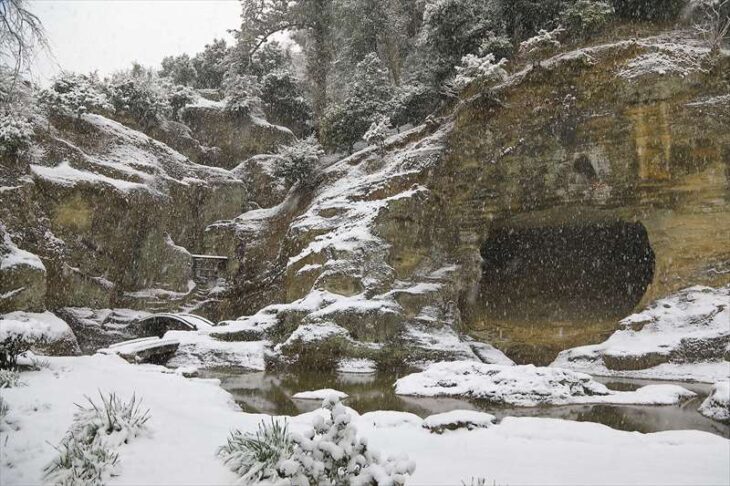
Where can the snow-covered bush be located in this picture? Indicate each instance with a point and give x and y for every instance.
(9, 378)
(87, 454)
(499, 45)
(476, 68)
(12, 346)
(15, 134)
(545, 42)
(329, 454)
(586, 17)
(285, 102)
(179, 96)
(139, 95)
(298, 161)
(73, 95)
(243, 95)
(378, 132)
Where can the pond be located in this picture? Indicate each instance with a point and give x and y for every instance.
(271, 393)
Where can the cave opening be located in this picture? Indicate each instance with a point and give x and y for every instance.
(567, 272)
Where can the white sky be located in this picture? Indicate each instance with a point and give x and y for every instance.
(107, 35)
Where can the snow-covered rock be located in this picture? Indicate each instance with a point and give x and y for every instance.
(322, 394)
(50, 334)
(683, 336)
(717, 405)
(527, 386)
(22, 277)
(458, 419)
(200, 350)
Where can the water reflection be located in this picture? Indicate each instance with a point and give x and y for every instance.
(271, 393)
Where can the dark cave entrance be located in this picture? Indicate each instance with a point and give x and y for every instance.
(568, 272)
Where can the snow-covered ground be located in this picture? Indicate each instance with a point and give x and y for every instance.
(528, 386)
(191, 418)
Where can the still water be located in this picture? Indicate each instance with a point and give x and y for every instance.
(271, 393)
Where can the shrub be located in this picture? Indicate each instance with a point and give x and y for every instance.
(298, 161)
(587, 17)
(243, 95)
(15, 135)
(87, 454)
(284, 101)
(329, 454)
(483, 69)
(13, 346)
(544, 43)
(714, 21)
(378, 132)
(138, 95)
(256, 456)
(179, 96)
(10, 379)
(73, 95)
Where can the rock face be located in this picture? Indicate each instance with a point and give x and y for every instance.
(237, 137)
(534, 215)
(109, 211)
(23, 283)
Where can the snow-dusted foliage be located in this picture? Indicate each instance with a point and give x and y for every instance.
(298, 160)
(585, 17)
(256, 457)
(543, 43)
(482, 68)
(328, 454)
(243, 95)
(9, 378)
(178, 96)
(378, 132)
(15, 133)
(12, 346)
(139, 95)
(88, 453)
(73, 95)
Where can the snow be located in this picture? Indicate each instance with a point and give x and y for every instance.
(666, 56)
(717, 405)
(66, 175)
(12, 256)
(356, 366)
(458, 419)
(34, 326)
(191, 418)
(527, 386)
(694, 315)
(322, 394)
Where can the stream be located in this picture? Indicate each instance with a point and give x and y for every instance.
(271, 393)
